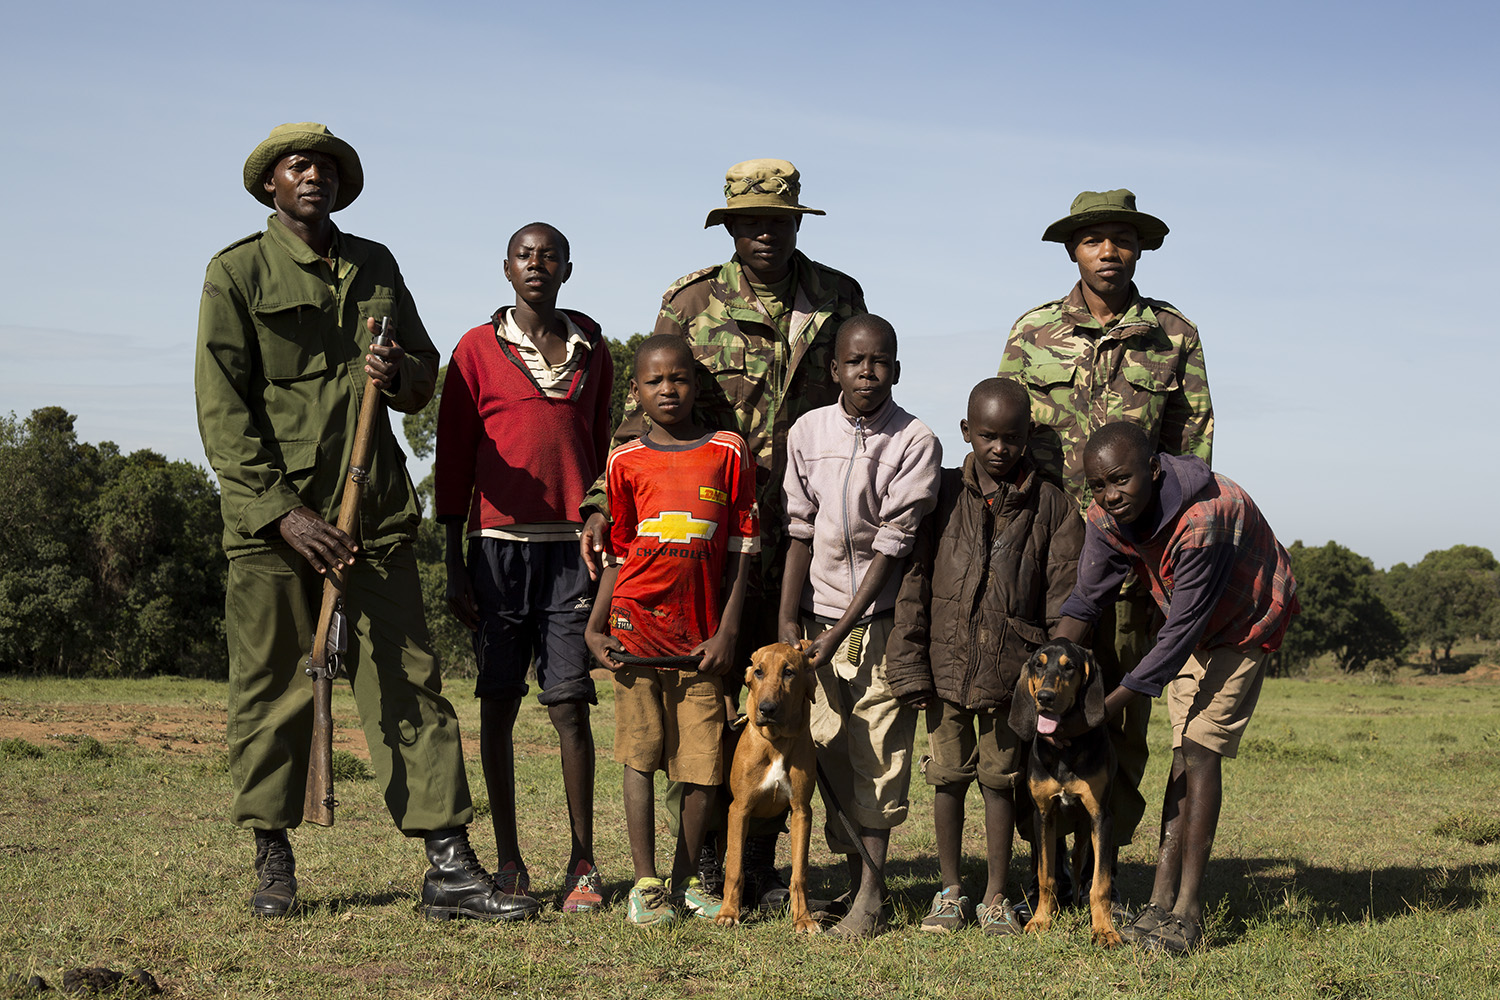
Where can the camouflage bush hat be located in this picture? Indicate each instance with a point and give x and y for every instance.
(294, 137)
(761, 187)
(1107, 206)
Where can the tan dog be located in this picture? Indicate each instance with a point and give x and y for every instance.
(774, 767)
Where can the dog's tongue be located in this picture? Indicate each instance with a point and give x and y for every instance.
(1046, 723)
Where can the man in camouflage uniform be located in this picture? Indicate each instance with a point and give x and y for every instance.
(1104, 353)
(762, 328)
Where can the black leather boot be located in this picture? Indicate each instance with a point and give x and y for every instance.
(277, 869)
(458, 886)
(711, 868)
(764, 886)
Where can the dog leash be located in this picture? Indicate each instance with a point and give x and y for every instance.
(838, 808)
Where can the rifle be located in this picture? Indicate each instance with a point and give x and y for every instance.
(331, 640)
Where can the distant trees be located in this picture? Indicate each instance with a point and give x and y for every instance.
(109, 564)
(1449, 595)
(1360, 614)
(1342, 611)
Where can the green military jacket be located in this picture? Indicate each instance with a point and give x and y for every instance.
(279, 377)
(1146, 368)
(750, 381)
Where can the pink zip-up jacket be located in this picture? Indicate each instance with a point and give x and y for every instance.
(855, 487)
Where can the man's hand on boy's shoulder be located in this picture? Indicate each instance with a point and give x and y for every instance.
(601, 644)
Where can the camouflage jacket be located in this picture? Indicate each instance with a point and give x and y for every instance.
(1146, 368)
(749, 380)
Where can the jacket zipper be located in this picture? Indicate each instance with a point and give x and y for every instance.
(859, 443)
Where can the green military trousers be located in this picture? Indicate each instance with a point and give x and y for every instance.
(1121, 638)
(271, 612)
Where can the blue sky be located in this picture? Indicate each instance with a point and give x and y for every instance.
(1328, 172)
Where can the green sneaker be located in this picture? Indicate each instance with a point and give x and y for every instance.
(999, 918)
(950, 911)
(649, 905)
(695, 899)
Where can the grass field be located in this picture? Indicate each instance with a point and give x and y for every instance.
(1358, 856)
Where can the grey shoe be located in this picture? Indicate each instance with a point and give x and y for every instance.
(1144, 923)
(458, 886)
(999, 918)
(950, 911)
(277, 869)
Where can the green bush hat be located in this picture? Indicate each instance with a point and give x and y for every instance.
(296, 137)
(761, 187)
(1107, 206)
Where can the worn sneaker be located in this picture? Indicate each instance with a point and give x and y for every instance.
(514, 880)
(696, 900)
(949, 911)
(711, 869)
(649, 905)
(998, 918)
(583, 891)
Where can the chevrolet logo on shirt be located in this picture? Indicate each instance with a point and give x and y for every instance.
(677, 526)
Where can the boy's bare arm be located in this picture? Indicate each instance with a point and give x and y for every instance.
(718, 650)
(460, 588)
(793, 579)
(823, 646)
(596, 633)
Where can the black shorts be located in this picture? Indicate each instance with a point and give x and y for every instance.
(534, 601)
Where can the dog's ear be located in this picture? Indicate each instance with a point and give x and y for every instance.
(1093, 691)
(750, 673)
(1023, 705)
(801, 645)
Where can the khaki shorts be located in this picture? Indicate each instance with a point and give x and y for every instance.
(672, 721)
(863, 733)
(1211, 700)
(969, 744)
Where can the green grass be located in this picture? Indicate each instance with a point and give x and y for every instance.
(1357, 857)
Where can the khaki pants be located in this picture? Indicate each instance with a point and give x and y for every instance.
(863, 734)
(271, 611)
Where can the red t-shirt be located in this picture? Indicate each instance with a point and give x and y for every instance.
(677, 511)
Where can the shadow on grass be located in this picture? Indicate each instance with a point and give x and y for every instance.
(1280, 888)
(354, 901)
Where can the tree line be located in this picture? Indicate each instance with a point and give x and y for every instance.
(110, 565)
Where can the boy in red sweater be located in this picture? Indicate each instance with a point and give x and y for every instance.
(523, 431)
(682, 503)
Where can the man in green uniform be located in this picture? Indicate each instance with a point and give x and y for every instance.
(761, 327)
(285, 323)
(1104, 353)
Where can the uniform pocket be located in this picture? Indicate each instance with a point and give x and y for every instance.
(290, 335)
(381, 303)
(1051, 376)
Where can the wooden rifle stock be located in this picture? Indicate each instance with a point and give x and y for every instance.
(330, 640)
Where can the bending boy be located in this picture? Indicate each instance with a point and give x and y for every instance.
(1225, 585)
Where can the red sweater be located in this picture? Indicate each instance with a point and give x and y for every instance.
(506, 452)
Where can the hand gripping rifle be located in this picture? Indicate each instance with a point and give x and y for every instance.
(331, 641)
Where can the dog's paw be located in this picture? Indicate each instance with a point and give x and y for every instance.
(807, 925)
(1109, 938)
(727, 917)
(1038, 924)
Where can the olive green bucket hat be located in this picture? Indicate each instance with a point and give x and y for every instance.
(297, 137)
(761, 187)
(1107, 206)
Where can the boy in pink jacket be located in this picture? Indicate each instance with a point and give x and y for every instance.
(861, 475)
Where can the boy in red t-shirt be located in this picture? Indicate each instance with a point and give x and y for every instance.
(682, 502)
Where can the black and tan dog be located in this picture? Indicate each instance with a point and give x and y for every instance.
(1068, 776)
(774, 767)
